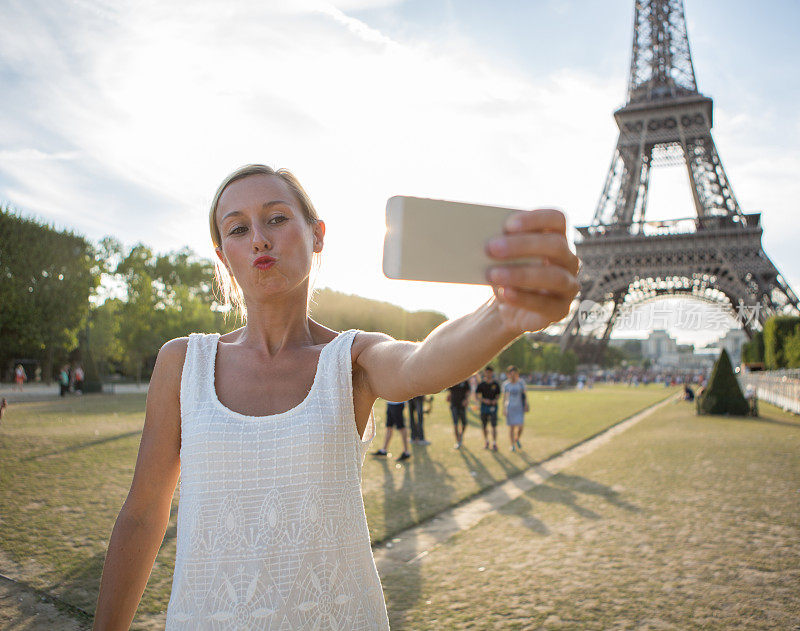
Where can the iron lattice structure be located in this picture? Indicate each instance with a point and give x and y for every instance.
(716, 254)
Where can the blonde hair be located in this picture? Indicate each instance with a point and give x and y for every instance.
(231, 292)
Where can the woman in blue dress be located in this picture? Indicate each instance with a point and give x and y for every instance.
(514, 405)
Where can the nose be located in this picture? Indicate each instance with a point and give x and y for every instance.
(260, 240)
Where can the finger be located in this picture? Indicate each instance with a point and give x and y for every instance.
(553, 307)
(553, 279)
(552, 246)
(539, 220)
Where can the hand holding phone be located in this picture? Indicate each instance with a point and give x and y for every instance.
(523, 255)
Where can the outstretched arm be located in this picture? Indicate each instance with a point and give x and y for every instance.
(526, 298)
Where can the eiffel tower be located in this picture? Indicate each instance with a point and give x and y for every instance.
(715, 255)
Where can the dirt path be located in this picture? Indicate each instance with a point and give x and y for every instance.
(24, 608)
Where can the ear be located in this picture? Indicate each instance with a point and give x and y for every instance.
(319, 235)
(222, 258)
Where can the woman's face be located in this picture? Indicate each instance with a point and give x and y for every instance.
(259, 217)
(513, 375)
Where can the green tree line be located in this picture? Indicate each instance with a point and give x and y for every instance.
(46, 278)
(777, 345)
(111, 307)
(543, 357)
(63, 298)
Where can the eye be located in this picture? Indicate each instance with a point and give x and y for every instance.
(278, 217)
(237, 230)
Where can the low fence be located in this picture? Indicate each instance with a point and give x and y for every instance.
(778, 387)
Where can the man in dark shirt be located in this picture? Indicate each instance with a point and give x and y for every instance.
(488, 392)
(457, 396)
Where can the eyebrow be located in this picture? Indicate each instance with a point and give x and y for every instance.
(265, 206)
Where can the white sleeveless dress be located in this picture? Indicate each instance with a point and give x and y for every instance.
(272, 532)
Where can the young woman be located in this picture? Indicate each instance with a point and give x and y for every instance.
(268, 425)
(514, 405)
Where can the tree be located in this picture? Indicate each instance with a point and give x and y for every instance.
(167, 296)
(723, 394)
(753, 351)
(791, 349)
(778, 330)
(340, 311)
(633, 349)
(102, 338)
(46, 277)
(519, 353)
(569, 363)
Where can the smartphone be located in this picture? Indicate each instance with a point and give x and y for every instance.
(441, 241)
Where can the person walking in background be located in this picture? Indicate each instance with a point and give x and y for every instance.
(457, 396)
(63, 380)
(488, 393)
(416, 416)
(394, 418)
(20, 377)
(79, 379)
(472, 399)
(514, 405)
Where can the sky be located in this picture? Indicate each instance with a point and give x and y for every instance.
(122, 118)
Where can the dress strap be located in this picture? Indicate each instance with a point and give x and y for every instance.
(195, 368)
(344, 365)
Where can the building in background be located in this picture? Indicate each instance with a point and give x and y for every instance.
(732, 342)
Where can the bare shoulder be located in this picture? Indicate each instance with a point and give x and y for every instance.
(380, 363)
(365, 340)
(172, 355)
(174, 349)
(166, 378)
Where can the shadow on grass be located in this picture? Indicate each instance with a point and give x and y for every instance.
(583, 485)
(753, 419)
(397, 505)
(522, 508)
(91, 443)
(474, 465)
(556, 495)
(510, 469)
(528, 460)
(404, 505)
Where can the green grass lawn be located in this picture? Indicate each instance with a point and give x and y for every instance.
(67, 466)
(681, 522)
(437, 476)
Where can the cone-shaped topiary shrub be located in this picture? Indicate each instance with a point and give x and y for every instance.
(722, 394)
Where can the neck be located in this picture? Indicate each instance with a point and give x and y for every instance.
(280, 322)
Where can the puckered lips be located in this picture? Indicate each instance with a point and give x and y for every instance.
(264, 262)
